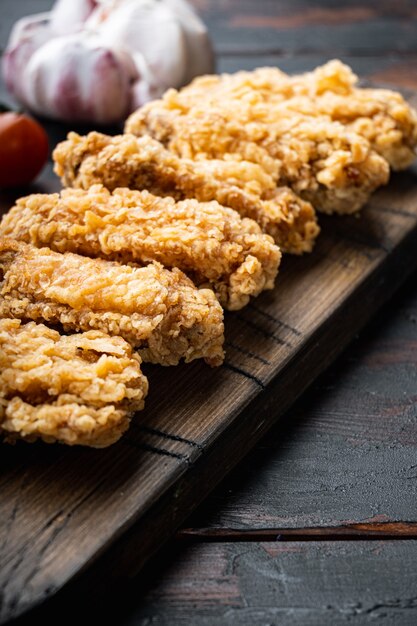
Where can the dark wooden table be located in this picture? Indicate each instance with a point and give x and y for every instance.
(318, 525)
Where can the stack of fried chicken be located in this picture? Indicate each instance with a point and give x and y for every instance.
(162, 227)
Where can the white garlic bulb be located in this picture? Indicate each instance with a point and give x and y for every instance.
(96, 60)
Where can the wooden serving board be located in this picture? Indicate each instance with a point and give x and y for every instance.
(70, 517)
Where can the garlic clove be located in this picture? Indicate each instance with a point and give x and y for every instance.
(200, 55)
(79, 78)
(150, 31)
(147, 87)
(68, 16)
(29, 27)
(28, 34)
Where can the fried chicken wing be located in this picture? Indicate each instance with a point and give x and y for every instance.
(143, 163)
(158, 311)
(76, 389)
(382, 116)
(210, 243)
(327, 164)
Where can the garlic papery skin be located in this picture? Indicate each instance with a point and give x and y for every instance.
(79, 78)
(97, 60)
(69, 16)
(200, 56)
(28, 34)
(168, 42)
(151, 32)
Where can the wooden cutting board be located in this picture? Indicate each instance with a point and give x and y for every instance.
(70, 517)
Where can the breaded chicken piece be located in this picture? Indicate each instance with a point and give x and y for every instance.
(327, 164)
(76, 389)
(382, 116)
(266, 84)
(157, 311)
(210, 243)
(143, 163)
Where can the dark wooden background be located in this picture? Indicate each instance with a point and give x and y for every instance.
(343, 465)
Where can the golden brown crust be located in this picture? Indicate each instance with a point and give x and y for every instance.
(320, 158)
(208, 242)
(382, 116)
(158, 311)
(77, 389)
(143, 163)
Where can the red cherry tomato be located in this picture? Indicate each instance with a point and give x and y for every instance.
(23, 149)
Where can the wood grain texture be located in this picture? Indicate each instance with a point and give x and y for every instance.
(276, 485)
(369, 531)
(302, 27)
(347, 450)
(324, 583)
(262, 583)
(198, 422)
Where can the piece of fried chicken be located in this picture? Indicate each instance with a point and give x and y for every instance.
(382, 116)
(143, 163)
(76, 389)
(158, 311)
(324, 162)
(213, 245)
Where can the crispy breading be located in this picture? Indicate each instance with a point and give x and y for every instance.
(158, 311)
(208, 242)
(326, 163)
(76, 389)
(270, 83)
(143, 163)
(382, 116)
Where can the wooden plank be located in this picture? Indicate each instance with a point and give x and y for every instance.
(400, 72)
(303, 27)
(324, 583)
(352, 531)
(362, 65)
(365, 39)
(303, 583)
(347, 449)
(60, 508)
